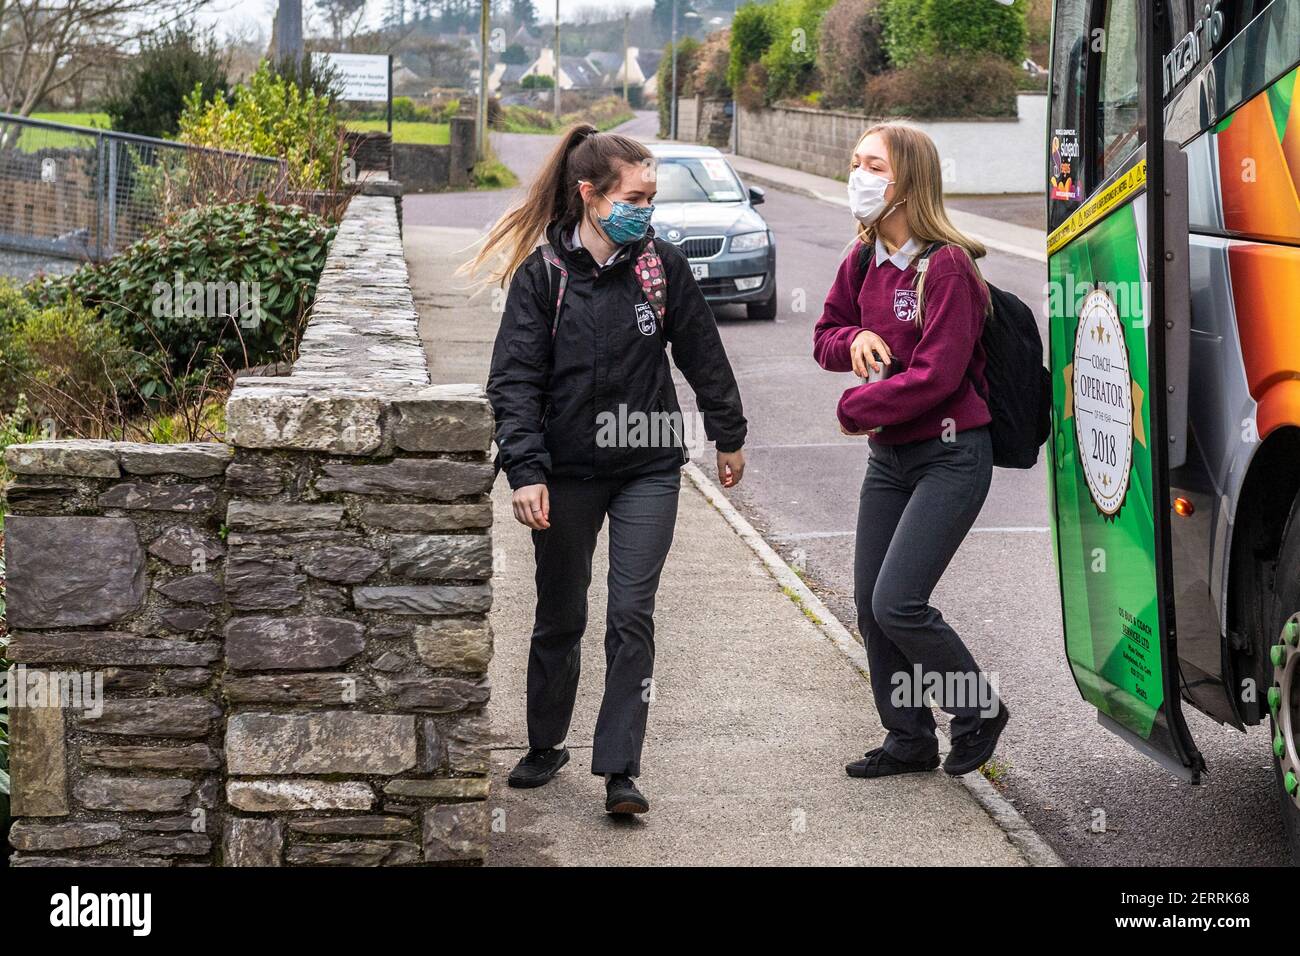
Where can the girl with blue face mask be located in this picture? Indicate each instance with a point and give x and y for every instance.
(588, 429)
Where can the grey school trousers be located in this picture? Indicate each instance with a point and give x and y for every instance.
(918, 501)
(642, 513)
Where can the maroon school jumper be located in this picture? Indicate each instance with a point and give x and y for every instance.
(940, 362)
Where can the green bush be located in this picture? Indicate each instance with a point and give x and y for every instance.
(537, 81)
(712, 65)
(406, 110)
(73, 366)
(791, 59)
(934, 87)
(15, 312)
(277, 251)
(271, 116)
(850, 48)
(953, 28)
(751, 35)
(688, 52)
(149, 94)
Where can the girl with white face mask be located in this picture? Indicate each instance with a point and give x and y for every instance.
(906, 313)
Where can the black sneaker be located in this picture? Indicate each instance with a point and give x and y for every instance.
(538, 767)
(971, 750)
(877, 763)
(622, 796)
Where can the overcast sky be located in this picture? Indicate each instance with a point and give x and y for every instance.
(230, 16)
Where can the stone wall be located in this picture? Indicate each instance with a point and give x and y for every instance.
(977, 156)
(290, 629)
(422, 168)
(371, 150)
(702, 119)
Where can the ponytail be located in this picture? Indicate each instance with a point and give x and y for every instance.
(583, 153)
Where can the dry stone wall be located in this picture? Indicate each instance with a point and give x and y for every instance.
(289, 630)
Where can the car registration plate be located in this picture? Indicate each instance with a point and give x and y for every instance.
(700, 270)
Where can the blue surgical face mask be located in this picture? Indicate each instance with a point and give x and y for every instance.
(626, 222)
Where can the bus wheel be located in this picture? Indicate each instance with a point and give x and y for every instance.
(1284, 706)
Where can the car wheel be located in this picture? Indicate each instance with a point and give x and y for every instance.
(764, 311)
(1283, 693)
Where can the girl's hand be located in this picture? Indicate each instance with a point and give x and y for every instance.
(868, 349)
(731, 467)
(845, 431)
(532, 506)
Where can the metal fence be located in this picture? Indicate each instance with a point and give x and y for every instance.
(79, 193)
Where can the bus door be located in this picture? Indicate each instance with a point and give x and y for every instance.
(1118, 357)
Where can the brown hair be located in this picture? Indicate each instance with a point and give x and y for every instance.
(918, 178)
(582, 154)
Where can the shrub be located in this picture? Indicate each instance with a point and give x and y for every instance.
(752, 92)
(919, 28)
(537, 81)
(278, 251)
(791, 59)
(308, 72)
(850, 48)
(751, 35)
(711, 65)
(15, 312)
(150, 93)
(945, 87)
(72, 365)
(271, 116)
(688, 52)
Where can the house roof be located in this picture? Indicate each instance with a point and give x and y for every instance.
(581, 73)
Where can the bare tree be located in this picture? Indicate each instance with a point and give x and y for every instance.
(46, 45)
(343, 16)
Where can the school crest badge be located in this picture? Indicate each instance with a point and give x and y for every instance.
(645, 318)
(905, 304)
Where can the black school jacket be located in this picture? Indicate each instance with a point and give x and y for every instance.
(548, 401)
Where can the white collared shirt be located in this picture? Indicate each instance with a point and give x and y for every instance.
(575, 242)
(903, 257)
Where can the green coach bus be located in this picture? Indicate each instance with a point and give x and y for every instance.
(1174, 339)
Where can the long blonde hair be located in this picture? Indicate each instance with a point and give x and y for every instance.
(918, 178)
(583, 154)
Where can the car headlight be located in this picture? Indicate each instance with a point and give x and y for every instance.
(749, 242)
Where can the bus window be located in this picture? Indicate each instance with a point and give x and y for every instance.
(1120, 125)
(1070, 55)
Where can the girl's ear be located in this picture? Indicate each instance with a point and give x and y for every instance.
(586, 190)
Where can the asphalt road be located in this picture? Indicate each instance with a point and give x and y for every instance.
(1093, 798)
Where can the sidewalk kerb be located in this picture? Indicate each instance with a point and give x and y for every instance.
(1003, 813)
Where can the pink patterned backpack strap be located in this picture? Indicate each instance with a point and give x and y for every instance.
(654, 281)
(559, 276)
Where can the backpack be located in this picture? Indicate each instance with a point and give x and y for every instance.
(649, 272)
(1020, 403)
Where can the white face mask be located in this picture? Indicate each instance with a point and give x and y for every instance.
(867, 195)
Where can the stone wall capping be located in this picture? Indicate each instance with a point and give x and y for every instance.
(101, 458)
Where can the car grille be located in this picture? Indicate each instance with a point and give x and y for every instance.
(701, 247)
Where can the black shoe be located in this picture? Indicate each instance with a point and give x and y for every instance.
(622, 796)
(537, 767)
(972, 750)
(877, 763)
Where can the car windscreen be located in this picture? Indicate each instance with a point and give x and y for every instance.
(706, 179)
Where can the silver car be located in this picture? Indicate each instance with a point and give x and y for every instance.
(704, 208)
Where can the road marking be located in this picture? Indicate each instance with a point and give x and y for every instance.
(978, 529)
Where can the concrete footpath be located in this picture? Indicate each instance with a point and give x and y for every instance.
(758, 703)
